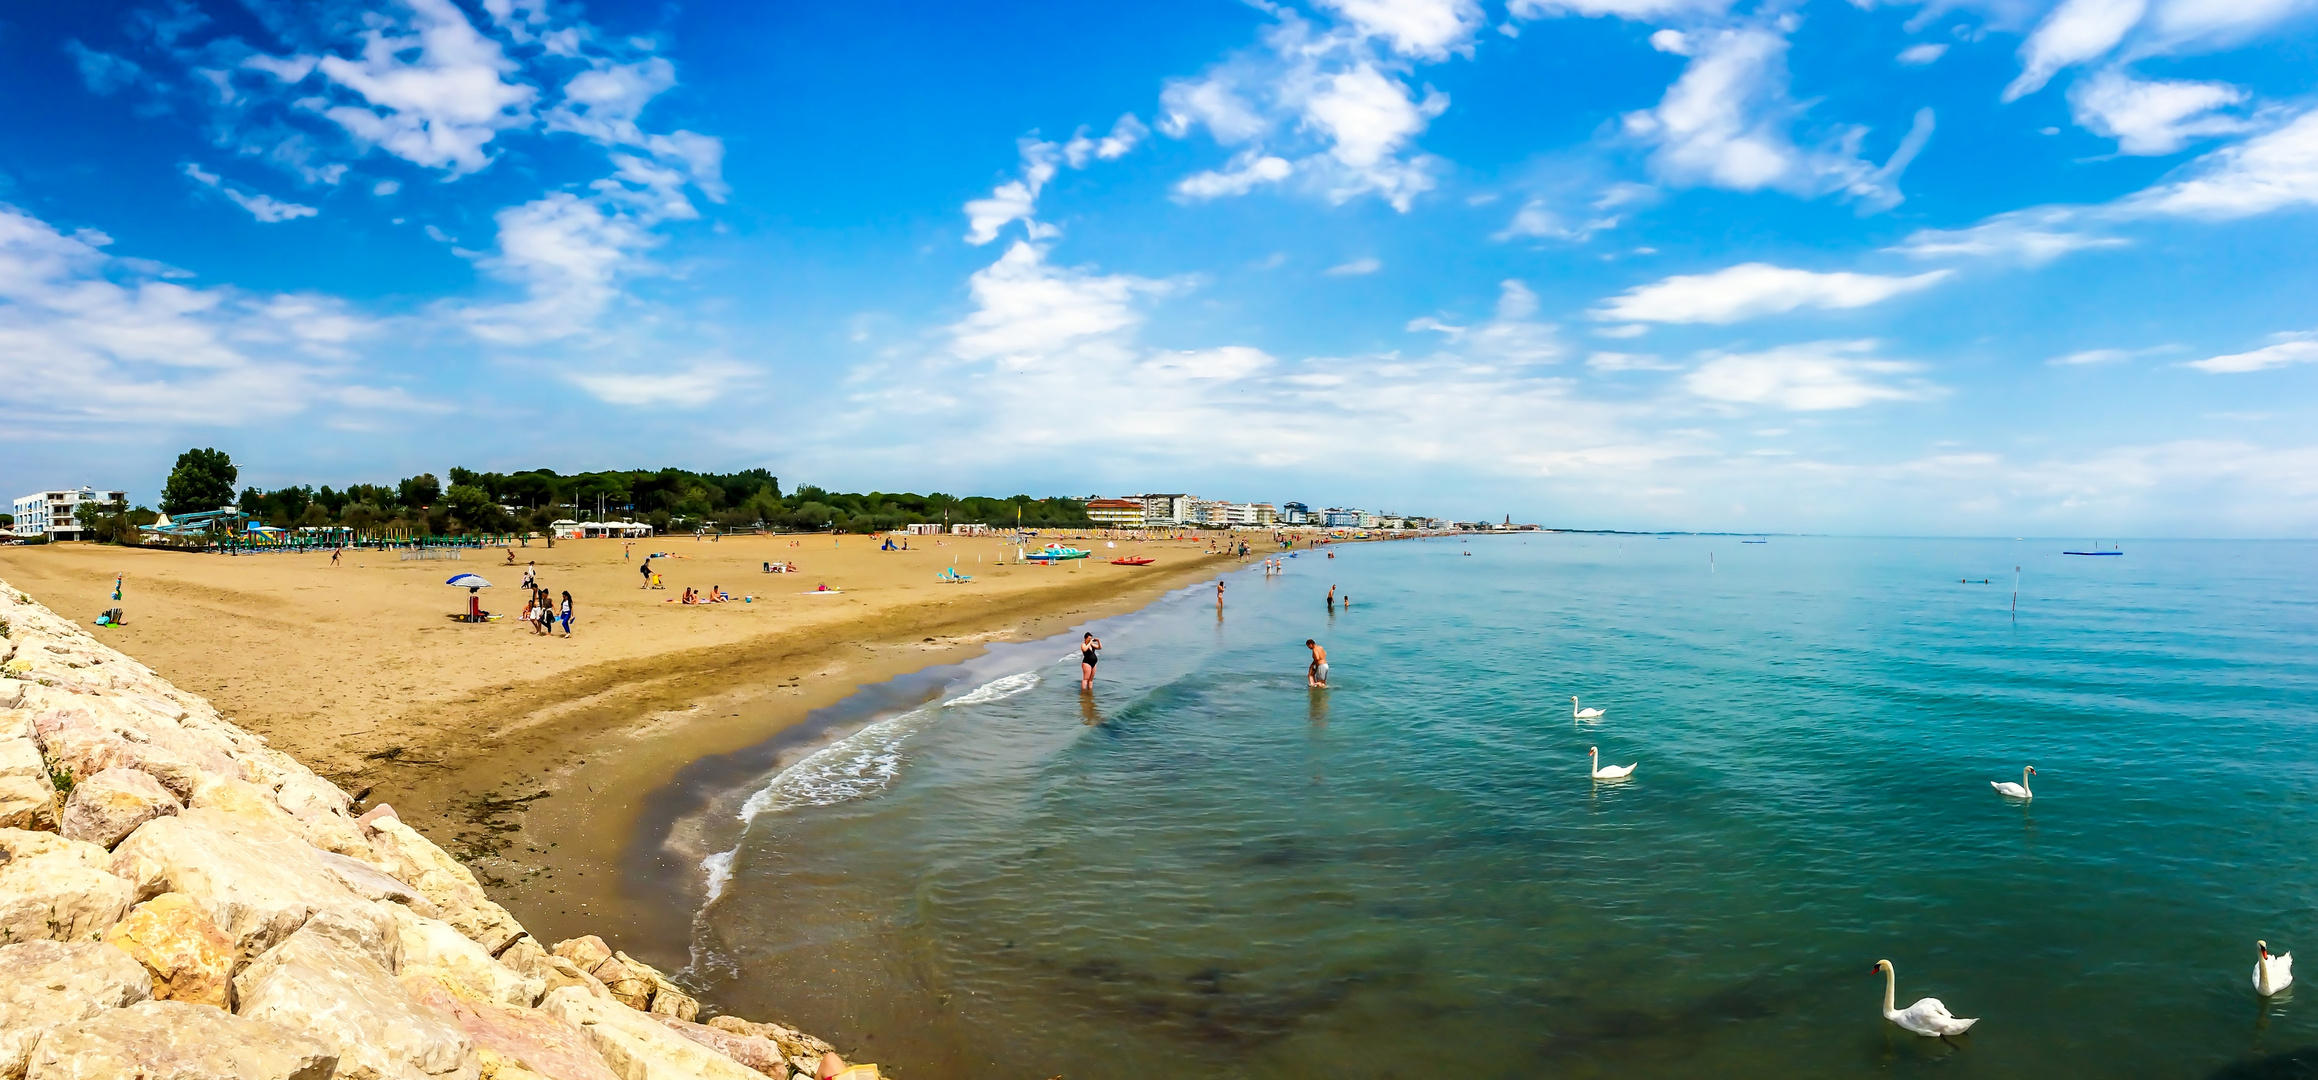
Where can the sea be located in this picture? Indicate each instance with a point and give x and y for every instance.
(1206, 868)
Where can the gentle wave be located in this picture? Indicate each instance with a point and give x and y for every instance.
(995, 690)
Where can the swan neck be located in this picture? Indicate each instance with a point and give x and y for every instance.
(2024, 781)
(1890, 989)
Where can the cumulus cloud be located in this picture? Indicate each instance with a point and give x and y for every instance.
(1813, 377)
(89, 338)
(1430, 29)
(2033, 237)
(1513, 335)
(568, 255)
(1639, 10)
(1754, 290)
(1028, 311)
(2154, 116)
(2286, 350)
(1017, 199)
(1920, 55)
(2270, 171)
(1324, 105)
(2075, 31)
(263, 207)
(1725, 123)
(438, 108)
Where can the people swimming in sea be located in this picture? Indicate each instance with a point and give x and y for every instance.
(1332, 599)
(1316, 676)
(1090, 652)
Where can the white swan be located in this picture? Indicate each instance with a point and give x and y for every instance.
(1925, 1017)
(1583, 714)
(2019, 790)
(2272, 974)
(1614, 772)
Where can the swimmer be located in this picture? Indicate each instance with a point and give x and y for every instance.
(1316, 676)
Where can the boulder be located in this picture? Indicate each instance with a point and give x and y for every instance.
(178, 1041)
(46, 985)
(104, 809)
(437, 944)
(762, 1054)
(668, 999)
(639, 1047)
(27, 799)
(416, 861)
(363, 928)
(54, 889)
(86, 734)
(341, 997)
(793, 1043)
(256, 882)
(627, 986)
(554, 972)
(187, 957)
(371, 883)
(320, 808)
(508, 1038)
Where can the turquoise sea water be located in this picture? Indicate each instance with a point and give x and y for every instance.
(1208, 868)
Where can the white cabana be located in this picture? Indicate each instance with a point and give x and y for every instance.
(568, 529)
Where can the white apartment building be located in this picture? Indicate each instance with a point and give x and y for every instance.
(1248, 513)
(50, 513)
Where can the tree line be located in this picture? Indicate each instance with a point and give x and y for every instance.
(494, 502)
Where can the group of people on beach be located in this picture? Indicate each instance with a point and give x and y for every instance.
(543, 611)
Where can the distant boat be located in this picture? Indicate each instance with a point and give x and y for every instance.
(2096, 551)
(1134, 560)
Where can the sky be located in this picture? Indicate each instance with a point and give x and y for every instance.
(1955, 267)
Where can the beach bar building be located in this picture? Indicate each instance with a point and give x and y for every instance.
(1116, 513)
(567, 529)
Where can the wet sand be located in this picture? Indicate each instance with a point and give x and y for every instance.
(531, 757)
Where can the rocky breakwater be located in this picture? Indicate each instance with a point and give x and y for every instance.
(179, 900)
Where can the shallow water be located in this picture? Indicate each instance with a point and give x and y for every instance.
(1207, 866)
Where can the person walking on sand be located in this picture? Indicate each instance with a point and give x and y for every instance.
(1316, 676)
(1090, 651)
(566, 613)
(645, 569)
(530, 575)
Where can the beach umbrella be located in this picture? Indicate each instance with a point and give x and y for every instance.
(468, 581)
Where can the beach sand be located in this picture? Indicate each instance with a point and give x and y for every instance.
(529, 757)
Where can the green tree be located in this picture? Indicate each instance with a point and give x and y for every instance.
(203, 480)
(419, 491)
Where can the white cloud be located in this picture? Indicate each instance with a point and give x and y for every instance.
(1014, 200)
(1754, 290)
(1812, 377)
(2270, 171)
(2075, 31)
(386, 187)
(1028, 311)
(1126, 133)
(1920, 55)
(1511, 336)
(693, 386)
(1431, 29)
(1724, 123)
(87, 338)
(103, 72)
(1321, 106)
(1618, 361)
(1246, 171)
(439, 108)
(2033, 236)
(603, 102)
(1356, 267)
(2153, 116)
(2291, 349)
(265, 208)
(2089, 357)
(1641, 10)
(568, 255)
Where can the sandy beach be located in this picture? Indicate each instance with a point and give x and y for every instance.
(529, 756)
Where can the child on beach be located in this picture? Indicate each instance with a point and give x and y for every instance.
(566, 613)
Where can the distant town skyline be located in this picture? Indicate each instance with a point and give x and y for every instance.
(1979, 268)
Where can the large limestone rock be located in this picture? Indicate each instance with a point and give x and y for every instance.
(317, 986)
(176, 1041)
(45, 985)
(627, 986)
(668, 999)
(188, 958)
(86, 734)
(554, 972)
(242, 799)
(371, 883)
(763, 1055)
(104, 809)
(27, 799)
(258, 883)
(507, 1038)
(638, 1046)
(433, 943)
(54, 889)
(416, 861)
(794, 1044)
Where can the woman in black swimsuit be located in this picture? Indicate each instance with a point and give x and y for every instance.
(1089, 649)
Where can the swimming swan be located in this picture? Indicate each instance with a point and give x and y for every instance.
(1614, 772)
(2272, 974)
(2019, 790)
(1925, 1017)
(1583, 714)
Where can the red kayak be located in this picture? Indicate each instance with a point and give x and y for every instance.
(1134, 560)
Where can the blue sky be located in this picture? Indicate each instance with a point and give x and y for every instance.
(1980, 267)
